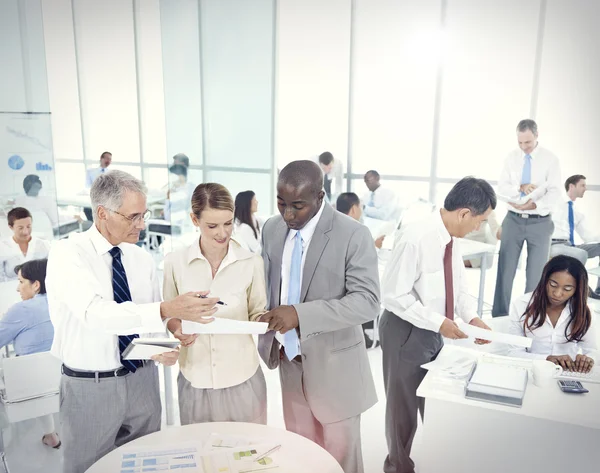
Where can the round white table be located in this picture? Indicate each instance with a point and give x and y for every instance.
(297, 454)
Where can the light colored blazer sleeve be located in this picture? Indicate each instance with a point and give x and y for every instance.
(361, 302)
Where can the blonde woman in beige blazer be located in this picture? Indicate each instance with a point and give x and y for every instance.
(220, 378)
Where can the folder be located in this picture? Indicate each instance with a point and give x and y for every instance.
(497, 383)
(146, 348)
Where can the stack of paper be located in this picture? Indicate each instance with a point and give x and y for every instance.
(497, 383)
(146, 348)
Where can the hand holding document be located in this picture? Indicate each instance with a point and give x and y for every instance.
(224, 326)
(499, 337)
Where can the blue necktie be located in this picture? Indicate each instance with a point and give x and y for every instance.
(121, 294)
(291, 337)
(571, 224)
(526, 176)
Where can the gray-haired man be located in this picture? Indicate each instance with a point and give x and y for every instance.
(103, 292)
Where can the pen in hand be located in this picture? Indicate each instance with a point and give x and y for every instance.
(219, 302)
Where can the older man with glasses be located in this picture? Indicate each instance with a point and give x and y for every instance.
(103, 292)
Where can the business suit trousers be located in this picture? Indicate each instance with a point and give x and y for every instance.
(245, 402)
(97, 417)
(340, 439)
(516, 230)
(405, 348)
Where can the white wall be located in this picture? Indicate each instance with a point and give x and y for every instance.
(414, 82)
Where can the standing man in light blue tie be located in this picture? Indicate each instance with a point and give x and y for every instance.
(322, 285)
(528, 171)
(569, 221)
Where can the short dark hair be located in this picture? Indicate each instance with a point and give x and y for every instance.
(18, 213)
(373, 173)
(183, 159)
(573, 180)
(302, 173)
(34, 270)
(346, 201)
(29, 181)
(105, 152)
(179, 170)
(528, 124)
(471, 193)
(326, 158)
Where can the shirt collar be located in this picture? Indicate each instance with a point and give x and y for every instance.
(234, 253)
(308, 230)
(101, 244)
(534, 153)
(443, 233)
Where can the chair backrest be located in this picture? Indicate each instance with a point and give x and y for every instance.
(30, 376)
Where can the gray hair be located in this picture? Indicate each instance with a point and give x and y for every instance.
(527, 124)
(108, 189)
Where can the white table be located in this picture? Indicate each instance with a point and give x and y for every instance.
(552, 432)
(470, 249)
(297, 454)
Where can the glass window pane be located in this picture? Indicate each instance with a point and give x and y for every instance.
(312, 68)
(237, 82)
(135, 171)
(70, 178)
(107, 81)
(396, 56)
(569, 94)
(243, 181)
(488, 76)
(156, 178)
(406, 191)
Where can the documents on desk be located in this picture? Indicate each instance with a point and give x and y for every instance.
(497, 383)
(189, 458)
(492, 336)
(223, 326)
(146, 348)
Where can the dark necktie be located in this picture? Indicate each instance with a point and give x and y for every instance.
(449, 283)
(571, 224)
(121, 294)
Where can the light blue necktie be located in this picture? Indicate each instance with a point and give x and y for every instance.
(372, 200)
(526, 176)
(291, 338)
(571, 224)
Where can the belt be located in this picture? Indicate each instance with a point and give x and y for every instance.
(121, 371)
(527, 215)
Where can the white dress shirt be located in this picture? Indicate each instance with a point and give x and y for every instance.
(306, 233)
(46, 204)
(560, 217)
(86, 319)
(244, 235)
(549, 340)
(413, 283)
(11, 255)
(380, 204)
(92, 174)
(336, 176)
(545, 172)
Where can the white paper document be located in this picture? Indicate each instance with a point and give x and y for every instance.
(225, 327)
(218, 442)
(146, 348)
(142, 459)
(492, 336)
(536, 194)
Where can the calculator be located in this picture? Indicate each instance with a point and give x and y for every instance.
(572, 387)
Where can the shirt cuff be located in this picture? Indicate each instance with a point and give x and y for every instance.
(436, 322)
(150, 318)
(469, 317)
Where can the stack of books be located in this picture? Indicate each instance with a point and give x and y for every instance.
(497, 383)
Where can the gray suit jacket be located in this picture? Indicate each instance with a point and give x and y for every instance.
(340, 291)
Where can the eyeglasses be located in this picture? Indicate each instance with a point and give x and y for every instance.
(136, 218)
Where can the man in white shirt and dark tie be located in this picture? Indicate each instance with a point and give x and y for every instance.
(333, 175)
(529, 170)
(91, 175)
(568, 221)
(103, 292)
(424, 289)
(380, 203)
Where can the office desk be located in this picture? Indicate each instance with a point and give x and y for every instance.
(552, 432)
(297, 454)
(474, 249)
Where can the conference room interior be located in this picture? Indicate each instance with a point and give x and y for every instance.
(425, 92)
